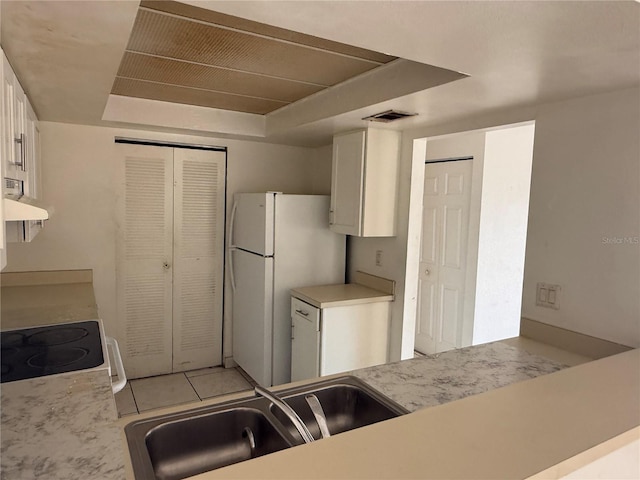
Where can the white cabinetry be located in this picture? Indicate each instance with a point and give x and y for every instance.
(20, 147)
(337, 339)
(364, 182)
(3, 238)
(305, 340)
(14, 123)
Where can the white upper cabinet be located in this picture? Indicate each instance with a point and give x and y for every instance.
(20, 149)
(364, 179)
(14, 142)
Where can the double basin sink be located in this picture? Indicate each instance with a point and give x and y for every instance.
(183, 444)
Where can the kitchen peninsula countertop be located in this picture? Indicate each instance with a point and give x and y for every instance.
(61, 427)
(514, 432)
(442, 378)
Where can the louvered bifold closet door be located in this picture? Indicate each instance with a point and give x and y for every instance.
(198, 258)
(144, 259)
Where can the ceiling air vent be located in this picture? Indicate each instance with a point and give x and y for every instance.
(389, 116)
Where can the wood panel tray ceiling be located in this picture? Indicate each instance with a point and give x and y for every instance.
(184, 54)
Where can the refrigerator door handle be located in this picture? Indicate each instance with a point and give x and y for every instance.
(232, 247)
(232, 223)
(232, 276)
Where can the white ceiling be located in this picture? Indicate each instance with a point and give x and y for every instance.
(517, 53)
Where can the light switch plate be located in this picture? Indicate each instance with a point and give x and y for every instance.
(548, 295)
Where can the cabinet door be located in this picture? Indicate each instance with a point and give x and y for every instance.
(354, 336)
(347, 183)
(3, 121)
(10, 149)
(32, 157)
(305, 341)
(18, 163)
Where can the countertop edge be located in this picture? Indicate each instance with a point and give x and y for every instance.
(326, 296)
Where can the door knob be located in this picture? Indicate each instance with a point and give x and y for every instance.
(427, 272)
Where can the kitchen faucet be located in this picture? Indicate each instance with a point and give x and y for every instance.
(288, 411)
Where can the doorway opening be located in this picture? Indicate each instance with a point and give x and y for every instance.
(474, 254)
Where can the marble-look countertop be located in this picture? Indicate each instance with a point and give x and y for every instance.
(441, 378)
(513, 432)
(30, 299)
(61, 427)
(65, 426)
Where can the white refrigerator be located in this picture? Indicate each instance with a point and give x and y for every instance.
(277, 242)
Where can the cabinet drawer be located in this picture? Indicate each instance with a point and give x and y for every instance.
(304, 311)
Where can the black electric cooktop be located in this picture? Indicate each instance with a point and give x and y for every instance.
(39, 351)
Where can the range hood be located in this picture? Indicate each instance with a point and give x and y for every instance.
(22, 208)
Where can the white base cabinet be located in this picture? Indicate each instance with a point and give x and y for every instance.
(337, 339)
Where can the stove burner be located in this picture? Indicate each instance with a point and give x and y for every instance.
(12, 339)
(57, 336)
(8, 352)
(49, 350)
(57, 357)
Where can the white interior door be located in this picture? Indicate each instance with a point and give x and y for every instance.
(198, 258)
(445, 231)
(144, 258)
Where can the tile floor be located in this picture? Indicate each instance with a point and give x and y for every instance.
(143, 394)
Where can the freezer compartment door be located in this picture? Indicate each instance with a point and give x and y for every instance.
(253, 222)
(252, 314)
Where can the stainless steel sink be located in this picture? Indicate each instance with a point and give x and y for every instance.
(180, 445)
(346, 406)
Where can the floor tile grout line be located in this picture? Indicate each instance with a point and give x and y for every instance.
(135, 402)
(193, 387)
(222, 370)
(246, 376)
(250, 385)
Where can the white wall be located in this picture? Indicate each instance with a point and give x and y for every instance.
(584, 217)
(503, 231)
(78, 171)
(584, 186)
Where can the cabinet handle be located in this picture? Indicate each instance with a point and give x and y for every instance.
(293, 337)
(22, 141)
(302, 312)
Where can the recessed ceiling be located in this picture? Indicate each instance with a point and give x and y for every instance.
(184, 54)
(518, 55)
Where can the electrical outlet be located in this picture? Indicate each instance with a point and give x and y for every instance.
(378, 258)
(547, 295)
